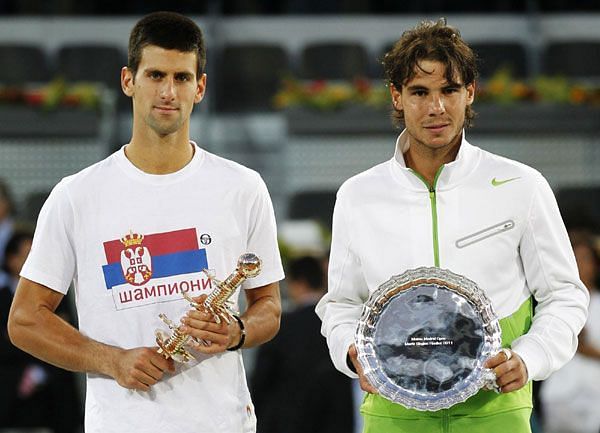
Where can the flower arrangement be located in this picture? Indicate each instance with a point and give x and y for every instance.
(55, 94)
(504, 89)
(324, 95)
(501, 88)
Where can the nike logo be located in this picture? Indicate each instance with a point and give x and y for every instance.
(496, 182)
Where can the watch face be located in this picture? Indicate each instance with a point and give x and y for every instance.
(423, 338)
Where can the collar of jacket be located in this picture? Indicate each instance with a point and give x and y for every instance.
(453, 174)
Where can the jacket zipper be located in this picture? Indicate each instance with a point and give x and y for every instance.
(434, 219)
(485, 233)
(445, 420)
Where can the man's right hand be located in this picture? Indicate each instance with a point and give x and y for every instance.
(34, 327)
(140, 368)
(364, 383)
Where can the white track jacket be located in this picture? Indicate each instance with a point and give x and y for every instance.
(489, 218)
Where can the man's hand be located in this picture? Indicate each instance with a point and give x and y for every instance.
(140, 368)
(202, 325)
(35, 327)
(510, 370)
(364, 383)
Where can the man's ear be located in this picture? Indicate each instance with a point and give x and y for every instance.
(396, 97)
(127, 81)
(471, 92)
(200, 89)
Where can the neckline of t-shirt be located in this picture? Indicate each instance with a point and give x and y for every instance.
(160, 179)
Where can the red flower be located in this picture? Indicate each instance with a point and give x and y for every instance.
(362, 85)
(316, 86)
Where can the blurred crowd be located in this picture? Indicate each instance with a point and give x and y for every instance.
(33, 394)
(570, 398)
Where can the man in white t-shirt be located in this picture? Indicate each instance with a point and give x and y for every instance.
(135, 231)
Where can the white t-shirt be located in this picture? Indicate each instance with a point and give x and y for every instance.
(89, 233)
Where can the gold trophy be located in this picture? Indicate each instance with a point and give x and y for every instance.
(216, 303)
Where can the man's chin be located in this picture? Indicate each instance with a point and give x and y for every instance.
(165, 129)
(443, 140)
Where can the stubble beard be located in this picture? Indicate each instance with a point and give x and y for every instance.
(164, 128)
(434, 150)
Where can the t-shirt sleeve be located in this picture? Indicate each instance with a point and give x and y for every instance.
(51, 261)
(262, 238)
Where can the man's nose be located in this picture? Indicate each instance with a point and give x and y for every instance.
(167, 91)
(436, 105)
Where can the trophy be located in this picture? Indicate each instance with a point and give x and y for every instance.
(216, 303)
(424, 336)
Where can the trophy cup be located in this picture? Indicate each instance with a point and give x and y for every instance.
(424, 336)
(174, 345)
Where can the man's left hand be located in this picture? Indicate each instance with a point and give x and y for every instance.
(202, 325)
(511, 372)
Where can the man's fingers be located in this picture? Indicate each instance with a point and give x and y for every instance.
(510, 371)
(512, 380)
(353, 354)
(366, 386)
(213, 337)
(508, 376)
(145, 368)
(202, 315)
(162, 364)
(133, 381)
(199, 299)
(137, 385)
(502, 369)
(217, 334)
(147, 377)
(153, 363)
(362, 379)
(141, 368)
(199, 324)
(210, 349)
(495, 360)
(171, 365)
(209, 331)
(512, 386)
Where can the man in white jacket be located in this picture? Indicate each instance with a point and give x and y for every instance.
(441, 201)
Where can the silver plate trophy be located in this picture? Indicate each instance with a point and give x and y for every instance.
(424, 336)
(216, 303)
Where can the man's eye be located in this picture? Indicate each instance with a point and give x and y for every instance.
(155, 75)
(419, 92)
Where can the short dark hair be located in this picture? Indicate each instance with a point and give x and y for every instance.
(309, 270)
(430, 41)
(168, 30)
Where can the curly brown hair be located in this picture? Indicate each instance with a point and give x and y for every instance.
(430, 41)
